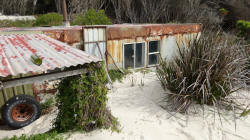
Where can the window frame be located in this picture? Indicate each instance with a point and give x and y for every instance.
(134, 46)
(154, 53)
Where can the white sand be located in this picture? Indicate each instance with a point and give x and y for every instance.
(141, 117)
(14, 18)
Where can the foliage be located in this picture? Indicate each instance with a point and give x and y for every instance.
(49, 19)
(118, 75)
(17, 23)
(82, 102)
(205, 73)
(244, 28)
(47, 105)
(245, 113)
(44, 136)
(92, 17)
(223, 11)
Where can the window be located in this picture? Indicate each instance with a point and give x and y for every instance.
(153, 52)
(134, 55)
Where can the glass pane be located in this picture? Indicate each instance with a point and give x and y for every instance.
(153, 59)
(154, 46)
(140, 55)
(129, 56)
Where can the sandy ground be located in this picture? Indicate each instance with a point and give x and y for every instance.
(13, 18)
(137, 105)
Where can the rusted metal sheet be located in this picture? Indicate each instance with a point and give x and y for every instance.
(67, 36)
(16, 51)
(168, 47)
(132, 31)
(114, 48)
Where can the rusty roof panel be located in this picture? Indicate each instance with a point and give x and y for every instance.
(131, 31)
(16, 51)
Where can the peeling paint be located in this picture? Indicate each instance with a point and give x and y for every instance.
(132, 31)
(16, 51)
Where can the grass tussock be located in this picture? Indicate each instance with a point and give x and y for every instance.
(211, 67)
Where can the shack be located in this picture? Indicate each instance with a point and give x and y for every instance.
(19, 70)
(129, 45)
(125, 45)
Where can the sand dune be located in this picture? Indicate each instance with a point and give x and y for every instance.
(138, 109)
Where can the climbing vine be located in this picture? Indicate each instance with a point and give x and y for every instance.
(82, 102)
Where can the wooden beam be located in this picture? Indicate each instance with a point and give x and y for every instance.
(40, 78)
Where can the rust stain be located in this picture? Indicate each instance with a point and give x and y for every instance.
(119, 57)
(72, 36)
(117, 32)
(58, 35)
(109, 50)
(114, 48)
(67, 36)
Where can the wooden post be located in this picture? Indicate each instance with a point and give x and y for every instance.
(65, 14)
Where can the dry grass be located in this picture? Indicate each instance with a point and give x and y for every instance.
(213, 67)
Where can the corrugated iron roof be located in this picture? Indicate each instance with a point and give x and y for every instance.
(16, 51)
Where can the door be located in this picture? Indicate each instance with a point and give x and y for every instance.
(134, 55)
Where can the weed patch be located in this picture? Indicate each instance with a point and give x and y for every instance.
(118, 75)
(47, 106)
(44, 136)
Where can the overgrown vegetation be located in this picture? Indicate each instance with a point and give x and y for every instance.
(82, 102)
(17, 23)
(244, 28)
(49, 19)
(92, 17)
(117, 74)
(207, 72)
(47, 105)
(44, 136)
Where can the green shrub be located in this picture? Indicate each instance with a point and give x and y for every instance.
(223, 11)
(244, 28)
(82, 102)
(50, 19)
(204, 73)
(17, 23)
(117, 75)
(92, 17)
(44, 136)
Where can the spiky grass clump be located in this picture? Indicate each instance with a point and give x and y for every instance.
(205, 72)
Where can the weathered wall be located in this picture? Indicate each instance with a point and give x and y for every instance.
(169, 46)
